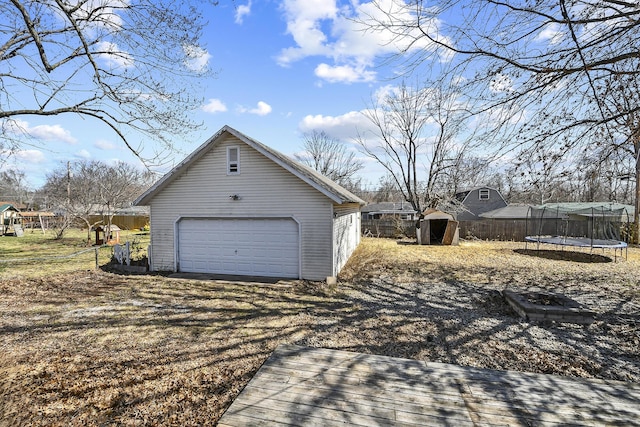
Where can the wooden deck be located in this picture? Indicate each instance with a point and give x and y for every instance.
(319, 387)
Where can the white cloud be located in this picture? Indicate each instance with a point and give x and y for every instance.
(83, 154)
(321, 28)
(113, 56)
(262, 109)
(242, 11)
(197, 58)
(102, 13)
(40, 132)
(551, 33)
(344, 74)
(103, 144)
(29, 156)
(214, 106)
(346, 126)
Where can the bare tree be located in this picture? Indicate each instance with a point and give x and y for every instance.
(117, 186)
(80, 189)
(330, 157)
(538, 67)
(415, 141)
(621, 99)
(14, 186)
(70, 189)
(133, 66)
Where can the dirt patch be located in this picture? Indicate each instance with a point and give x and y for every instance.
(569, 255)
(94, 348)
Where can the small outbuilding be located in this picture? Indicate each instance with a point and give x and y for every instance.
(107, 234)
(9, 219)
(438, 228)
(238, 207)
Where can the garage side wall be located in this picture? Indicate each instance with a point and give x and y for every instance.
(263, 189)
(346, 234)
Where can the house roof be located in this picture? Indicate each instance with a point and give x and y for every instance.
(462, 195)
(389, 208)
(316, 180)
(13, 203)
(513, 211)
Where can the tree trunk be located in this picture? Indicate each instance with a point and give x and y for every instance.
(636, 215)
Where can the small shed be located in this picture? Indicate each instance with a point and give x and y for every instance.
(438, 228)
(112, 232)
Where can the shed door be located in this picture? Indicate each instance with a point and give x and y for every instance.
(246, 247)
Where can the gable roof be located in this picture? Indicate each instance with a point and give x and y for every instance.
(316, 180)
(462, 195)
(8, 207)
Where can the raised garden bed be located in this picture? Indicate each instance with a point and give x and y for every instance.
(548, 307)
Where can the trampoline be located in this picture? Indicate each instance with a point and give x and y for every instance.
(576, 225)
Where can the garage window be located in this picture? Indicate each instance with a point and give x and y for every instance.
(233, 161)
(484, 194)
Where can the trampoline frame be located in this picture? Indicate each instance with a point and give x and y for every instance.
(575, 241)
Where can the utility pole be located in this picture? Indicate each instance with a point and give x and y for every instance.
(68, 183)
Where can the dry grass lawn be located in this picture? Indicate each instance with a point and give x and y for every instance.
(94, 348)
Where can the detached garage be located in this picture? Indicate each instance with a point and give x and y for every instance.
(237, 207)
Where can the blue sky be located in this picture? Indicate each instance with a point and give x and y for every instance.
(282, 68)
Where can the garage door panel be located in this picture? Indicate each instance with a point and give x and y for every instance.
(257, 246)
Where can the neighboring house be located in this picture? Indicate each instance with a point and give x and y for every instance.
(9, 216)
(478, 201)
(235, 206)
(401, 210)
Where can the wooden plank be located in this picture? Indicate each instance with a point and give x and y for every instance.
(319, 387)
(366, 403)
(450, 232)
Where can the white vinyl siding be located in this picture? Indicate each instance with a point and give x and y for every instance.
(346, 234)
(264, 189)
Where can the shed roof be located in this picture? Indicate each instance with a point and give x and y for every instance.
(436, 214)
(316, 180)
(33, 214)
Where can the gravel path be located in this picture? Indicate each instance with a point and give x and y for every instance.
(445, 305)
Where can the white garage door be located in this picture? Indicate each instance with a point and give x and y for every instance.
(247, 247)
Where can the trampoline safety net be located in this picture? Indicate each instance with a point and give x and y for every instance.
(599, 226)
